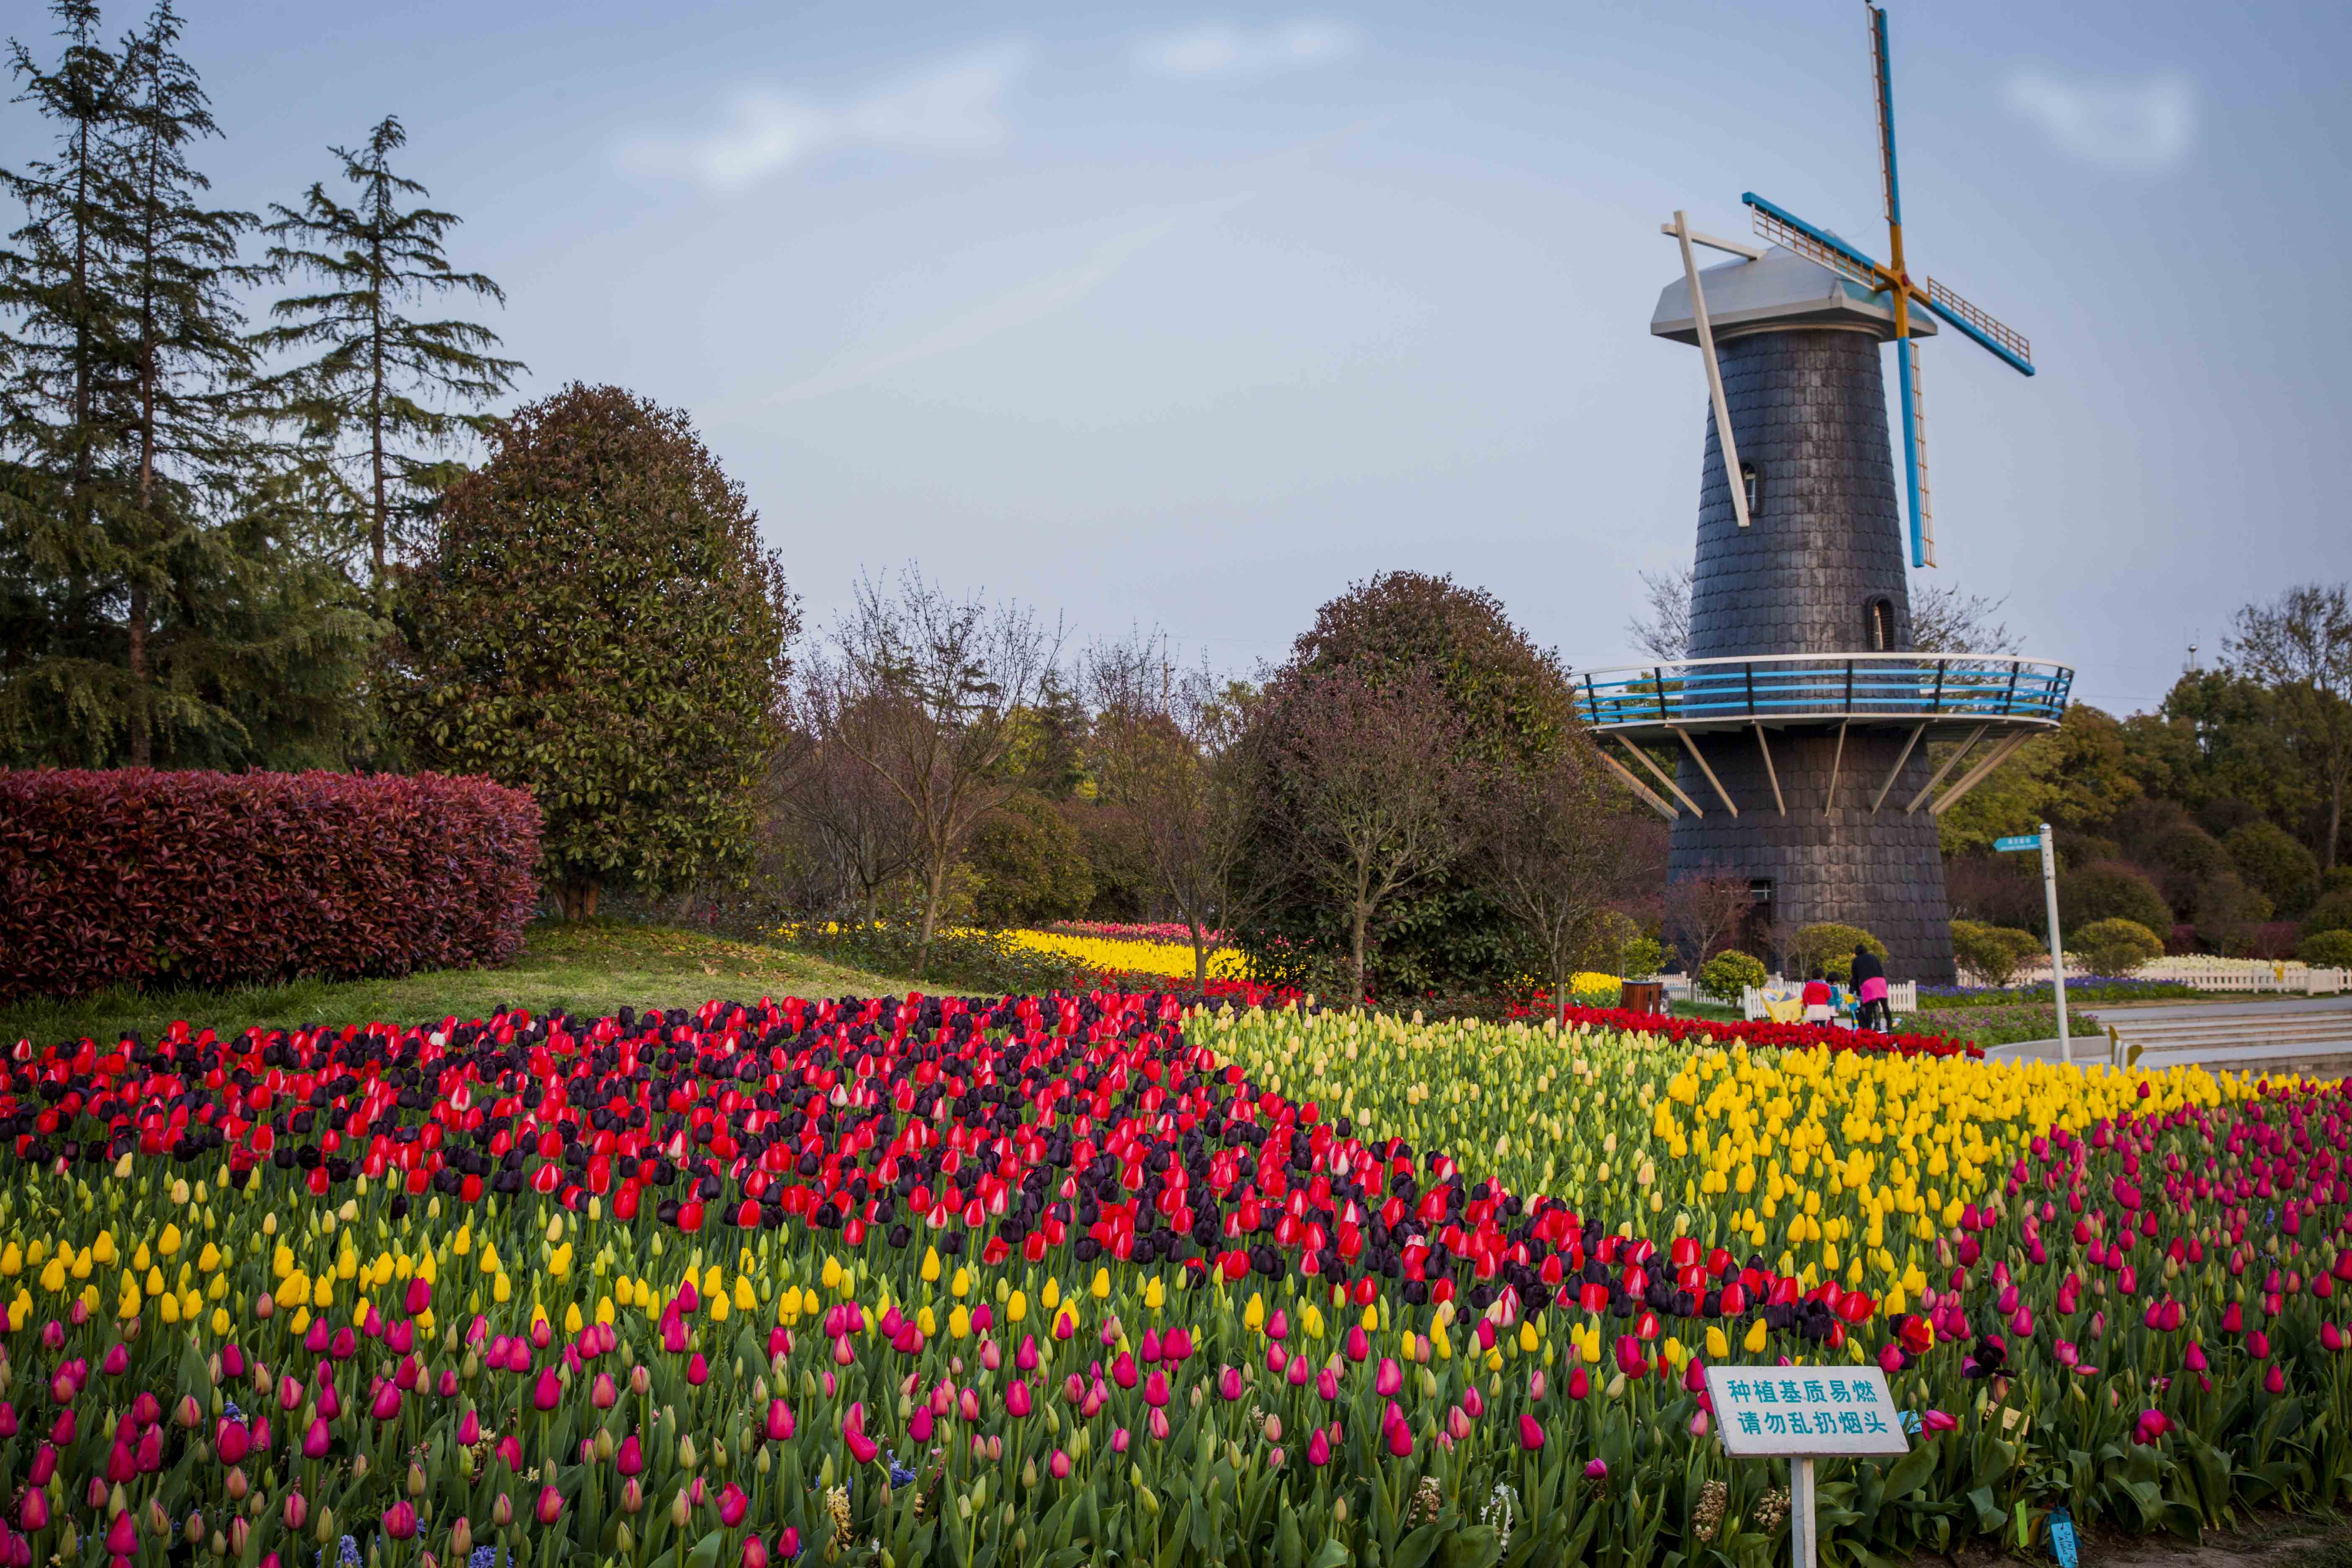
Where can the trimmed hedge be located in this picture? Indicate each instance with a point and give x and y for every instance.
(140, 877)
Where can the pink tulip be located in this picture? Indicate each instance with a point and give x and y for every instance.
(1016, 1399)
(551, 1505)
(549, 1391)
(1388, 1378)
(400, 1520)
(732, 1505)
(317, 1440)
(1058, 1466)
(387, 1406)
(1229, 1383)
(629, 1458)
(1155, 1389)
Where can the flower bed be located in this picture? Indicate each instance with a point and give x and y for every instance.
(1135, 931)
(1071, 1279)
(1107, 956)
(1761, 1032)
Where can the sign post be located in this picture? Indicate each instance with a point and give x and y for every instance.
(1802, 1414)
(2057, 949)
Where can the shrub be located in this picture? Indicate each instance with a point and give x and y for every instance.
(1992, 953)
(2117, 946)
(196, 878)
(2332, 912)
(1829, 947)
(2111, 889)
(2326, 950)
(2273, 860)
(1643, 957)
(1729, 972)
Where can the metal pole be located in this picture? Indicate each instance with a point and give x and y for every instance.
(1803, 1549)
(2057, 948)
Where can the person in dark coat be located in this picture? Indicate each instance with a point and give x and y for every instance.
(1870, 990)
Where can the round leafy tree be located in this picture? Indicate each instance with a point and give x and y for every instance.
(1505, 704)
(2110, 889)
(598, 623)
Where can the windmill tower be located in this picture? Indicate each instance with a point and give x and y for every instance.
(1812, 740)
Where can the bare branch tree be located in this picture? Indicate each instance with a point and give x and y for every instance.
(1548, 855)
(1169, 749)
(1664, 632)
(2300, 645)
(858, 827)
(923, 689)
(1703, 914)
(1944, 619)
(1364, 789)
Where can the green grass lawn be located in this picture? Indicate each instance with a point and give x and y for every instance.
(590, 970)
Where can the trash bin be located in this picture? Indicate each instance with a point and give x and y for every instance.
(1641, 995)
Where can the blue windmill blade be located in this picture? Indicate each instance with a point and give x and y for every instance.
(1883, 73)
(1786, 229)
(1914, 452)
(2005, 342)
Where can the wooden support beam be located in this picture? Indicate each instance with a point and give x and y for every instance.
(1982, 771)
(1659, 773)
(1896, 771)
(1828, 800)
(1950, 763)
(1765, 746)
(1720, 793)
(1640, 789)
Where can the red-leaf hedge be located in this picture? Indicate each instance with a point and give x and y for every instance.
(141, 878)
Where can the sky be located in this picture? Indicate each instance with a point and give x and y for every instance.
(1186, 319)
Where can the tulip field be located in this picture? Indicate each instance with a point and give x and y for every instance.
(1090, 1280)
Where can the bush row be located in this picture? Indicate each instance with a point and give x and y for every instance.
(139, 878)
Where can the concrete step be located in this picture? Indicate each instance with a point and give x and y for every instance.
(2248, 1032)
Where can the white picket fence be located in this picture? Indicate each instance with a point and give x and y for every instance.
(2204, 972)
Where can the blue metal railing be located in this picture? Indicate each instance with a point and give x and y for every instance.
(1867, 686)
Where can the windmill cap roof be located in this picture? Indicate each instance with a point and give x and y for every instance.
(1782, 291)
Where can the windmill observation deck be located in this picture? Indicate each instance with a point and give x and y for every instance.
(1990, 704)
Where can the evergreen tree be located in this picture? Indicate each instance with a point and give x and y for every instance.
(373, 405)
(62, 414)
(598, 623)
(159, 604)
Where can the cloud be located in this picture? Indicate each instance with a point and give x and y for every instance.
(1221, 49)
(956, 106)
(2140, 126)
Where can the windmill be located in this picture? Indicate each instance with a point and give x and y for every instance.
(1892, 280)
(1819, 744)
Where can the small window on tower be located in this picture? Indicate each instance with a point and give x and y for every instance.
(1751, 479)
(1881, 625)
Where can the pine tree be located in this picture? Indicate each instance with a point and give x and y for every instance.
(65, 413)
(371, 403)
(159, 603)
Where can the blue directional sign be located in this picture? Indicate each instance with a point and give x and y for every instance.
(2019, 841)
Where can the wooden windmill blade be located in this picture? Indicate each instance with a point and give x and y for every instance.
(1733, 479)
